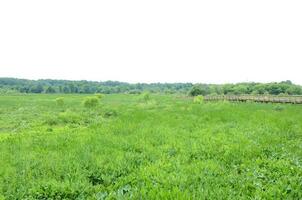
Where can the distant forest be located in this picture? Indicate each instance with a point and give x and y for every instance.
(14, 85)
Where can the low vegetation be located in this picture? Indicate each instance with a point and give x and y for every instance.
(90, 102)
(146, 96)
(99, 96)
(60, 101)
(198, 99)
(168, 148)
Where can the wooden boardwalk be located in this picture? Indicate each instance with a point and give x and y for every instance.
(261, 99)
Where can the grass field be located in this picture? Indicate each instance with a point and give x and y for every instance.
(165, 148)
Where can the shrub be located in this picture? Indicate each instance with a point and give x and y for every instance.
(200, 89)
(110, 113)
(60, 101)
(69, 117)
(90, 102)
(282, 94)
(146, 96)
(279, 108)
(134, 92)
(51, 121)
(99, 96)
(198, 99)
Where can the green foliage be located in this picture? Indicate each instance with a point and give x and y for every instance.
(279, 108)
(146, 96)
(99, 96)
(54, 190)
(89, 87)
(51, 120)
(247, 88)
(171, 149)
(90, 102)
(69, 117)
(135, 92)
(109, 87)
(7, 92)
(198, 99)
(109, 113)
(60, 101)
(50, 90)
(37, 89)
(200, 89)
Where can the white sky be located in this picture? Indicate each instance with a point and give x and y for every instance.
(213, 41)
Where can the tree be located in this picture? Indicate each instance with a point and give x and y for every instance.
(50, 90)
(240, 89)
(37, 89)
(66, 89)
(200, 89)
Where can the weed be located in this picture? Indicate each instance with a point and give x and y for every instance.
(60, 101)
(279, 108)
(91, 102)
(99, 96)
(145, 96)
(198, 99)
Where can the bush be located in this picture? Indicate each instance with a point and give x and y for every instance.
(146, 96)
(99, 96)
(279, 108)
(198, 99)
(135, 92)
(69, 117)
(90, 102)
(51, 121)
(110, 113)
(60, 101)
(200, 89)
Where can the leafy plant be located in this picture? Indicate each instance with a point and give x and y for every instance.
(198, 99)
(278, 108)
(60, 101)
(90, 102)
(99, 96)
(69, 117)
(146, 96)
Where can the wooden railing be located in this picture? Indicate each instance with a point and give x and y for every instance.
(260, 98)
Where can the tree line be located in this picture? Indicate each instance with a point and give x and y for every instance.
(276, 88)
(88, 87)
(11, 85)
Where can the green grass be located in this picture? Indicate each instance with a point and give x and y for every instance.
(165, 148)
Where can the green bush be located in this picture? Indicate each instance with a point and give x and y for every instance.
(99, 96)
(134, 92)
(110, 113)
(69, 117)
(60, 101)
(49, 120)
(146, 96)
(279, 108)
(198, 99)
(90, 102)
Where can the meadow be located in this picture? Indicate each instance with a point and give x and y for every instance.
(130, 146)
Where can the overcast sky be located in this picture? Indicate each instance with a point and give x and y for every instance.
(214, 41)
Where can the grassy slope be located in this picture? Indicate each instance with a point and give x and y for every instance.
(168, 148)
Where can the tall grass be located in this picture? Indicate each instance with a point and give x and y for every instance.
(174, 149)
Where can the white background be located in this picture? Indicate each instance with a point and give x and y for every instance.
(213, 41)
